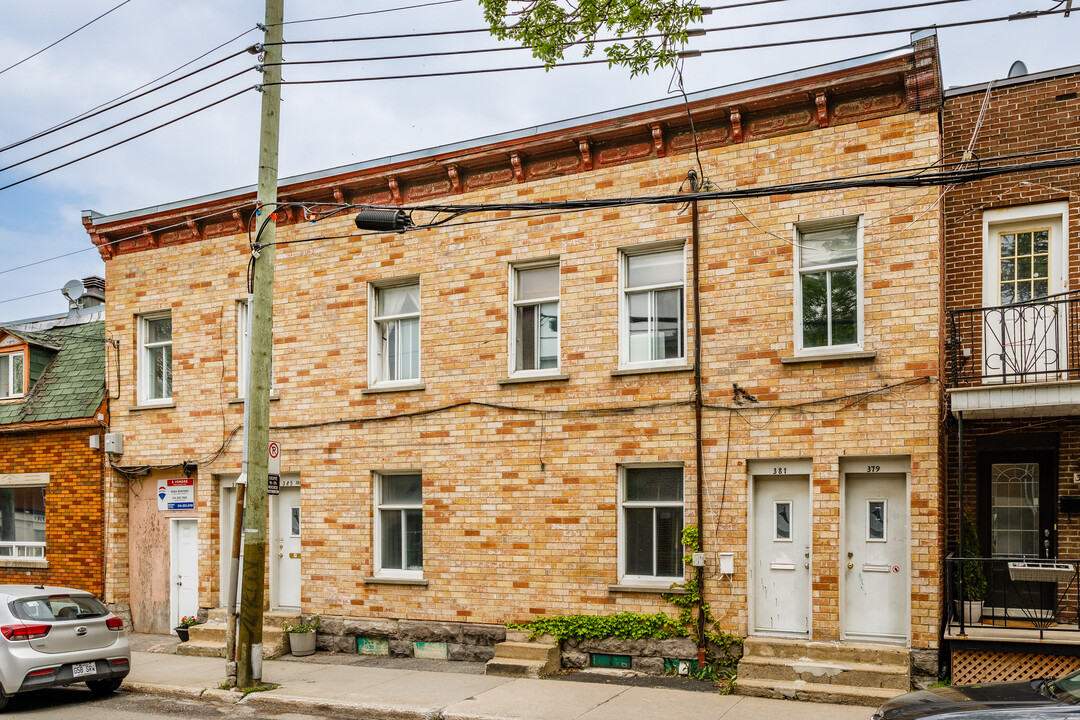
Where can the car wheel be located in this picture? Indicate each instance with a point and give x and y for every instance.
(4, 697)
(100, 688)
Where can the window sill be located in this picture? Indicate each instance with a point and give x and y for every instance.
(829, 357)
(652, 369)
(24, 563)
(392, 388)
(240, 400)
(646, 589)
(156, 406)
(420, 582)
(517, 380)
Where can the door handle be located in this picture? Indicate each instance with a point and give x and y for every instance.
(850, 566)
(281, 554)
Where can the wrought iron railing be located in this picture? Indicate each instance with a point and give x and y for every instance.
(1033, 341)
(1015, 593)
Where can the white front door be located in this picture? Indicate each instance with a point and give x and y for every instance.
(285, 549)
(1024, 341)
(184, 569)
(782, 555)
(877, 592)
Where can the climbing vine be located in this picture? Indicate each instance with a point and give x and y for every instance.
(722, 649)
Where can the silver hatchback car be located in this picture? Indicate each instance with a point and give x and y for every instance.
(55, 636)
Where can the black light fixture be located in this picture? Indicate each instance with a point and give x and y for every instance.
(383, 220)
(188, 467)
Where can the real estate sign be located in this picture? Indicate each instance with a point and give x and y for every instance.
(176, 494)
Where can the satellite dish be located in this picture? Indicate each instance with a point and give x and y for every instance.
(1017, 69)
(73, 290)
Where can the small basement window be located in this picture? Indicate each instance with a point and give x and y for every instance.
(605, 660)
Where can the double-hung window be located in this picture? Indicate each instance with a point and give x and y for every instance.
(396, 333)
(653, 318)
(11, 375)
(243, 348)
(829, 312)
(399, 533)
(535, 333)
(155, 358)
(650, 525)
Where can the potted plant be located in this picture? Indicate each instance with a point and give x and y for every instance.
(973, 573)
(182, 629)
(301, 636)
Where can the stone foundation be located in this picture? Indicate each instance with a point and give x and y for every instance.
(469, 642)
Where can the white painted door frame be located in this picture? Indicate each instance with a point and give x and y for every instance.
(183, 569)
(285, 547)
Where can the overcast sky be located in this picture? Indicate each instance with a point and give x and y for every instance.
(335, 124)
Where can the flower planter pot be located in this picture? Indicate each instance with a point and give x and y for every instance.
(973, 610)
(301, 644)
(182, 633)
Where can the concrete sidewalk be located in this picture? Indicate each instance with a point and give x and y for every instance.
(380, 693)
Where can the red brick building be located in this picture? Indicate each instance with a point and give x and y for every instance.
(1012, 294)
(53, 413)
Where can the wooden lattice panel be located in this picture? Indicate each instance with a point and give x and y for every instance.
(975, 666)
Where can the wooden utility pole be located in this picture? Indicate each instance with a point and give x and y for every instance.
(249, 635)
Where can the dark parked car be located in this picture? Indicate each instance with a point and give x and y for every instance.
(1027, 700)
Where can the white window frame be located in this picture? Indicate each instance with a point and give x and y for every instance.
(1026, 217)
(243, 349)
(797, 320)
(658, 581)
(514, 304)
(25, 551)
(11, 374)
(144, 363)
(394, 573)
(624, 304)
(376, 371)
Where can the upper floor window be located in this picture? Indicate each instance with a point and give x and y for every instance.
(22, 516)
(653, 318)
(243, 348)
(12, 380)
(535, 331)
(155, 358)
(396, 333)
(829, 286)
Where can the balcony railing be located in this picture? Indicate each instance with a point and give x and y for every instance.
(1016, 593)
(1033, 341)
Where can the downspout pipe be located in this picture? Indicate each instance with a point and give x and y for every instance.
(699, 572)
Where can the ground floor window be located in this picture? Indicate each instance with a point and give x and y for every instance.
(399, 535)
(22, 522)
(651, 523)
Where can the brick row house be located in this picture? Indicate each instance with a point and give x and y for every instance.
(1011, 281)
(488, 422)
(53, 414)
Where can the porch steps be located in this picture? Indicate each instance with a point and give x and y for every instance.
(520, 657)
(208, 639)
(823, 672)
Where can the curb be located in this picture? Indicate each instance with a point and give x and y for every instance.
(268, 702)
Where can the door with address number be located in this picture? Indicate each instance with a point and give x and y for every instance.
(286, 548)
(874, 562)
(782, 554)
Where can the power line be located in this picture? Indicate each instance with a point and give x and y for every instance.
(447, 53)
(9, 67)
(733, 48)
(124, 122)
(91, 114)
(370, 12)
(121, 142)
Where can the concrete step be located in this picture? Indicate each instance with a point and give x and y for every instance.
(826, 651)
(815, 692)
(208, 632)
(527, 651)
(208, 638)
(522, 636)
(514, 667)
(840, 673)
(195, 648)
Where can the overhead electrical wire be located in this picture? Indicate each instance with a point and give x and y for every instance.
(92, 113)
(124, 122)
(370, 12)
(52, 45)
(127, 140)
(734, 48)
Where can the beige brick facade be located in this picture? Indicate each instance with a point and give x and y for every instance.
(520, 481)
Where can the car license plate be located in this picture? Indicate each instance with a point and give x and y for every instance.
(84, 669)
